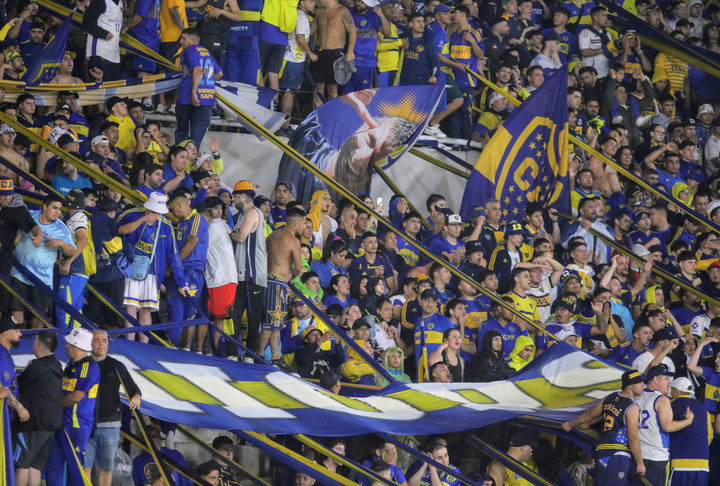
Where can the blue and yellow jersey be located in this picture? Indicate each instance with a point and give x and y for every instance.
(712, 390)
(388, 50)
(442, 43)
(428, 335)
(462, 52)
(579, 13)
(614, 433)
(195, 226)
(84, 376)
(526, 306)
(687, 449)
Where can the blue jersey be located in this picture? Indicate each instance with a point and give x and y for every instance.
(509, 334)
(429, 333)
(329, 300)
(7, 368)
(198, 56)
(41, 261)
(614, 433)
(568, 43)
(326, 271)
(543, 341)
(409, 253)
(170, 174)
(441, 244)
(461, 51)
(476, 315)
(625, 354)
(84, 376)
(445, 478)
(360, 267)
(396, 475)
(712, 390)
(148, 30)
(420, 62)
(194, 225)
(368, 27)
(689, 444)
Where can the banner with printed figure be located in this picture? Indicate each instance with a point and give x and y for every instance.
(203, 391)
(346, 136)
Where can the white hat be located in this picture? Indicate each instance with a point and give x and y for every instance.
(371, 3)
(5, 128)
(495, 97)
(157, 202)
(55, 133)
(563, 334)
(706, 108)
(682, 384)
(99, 139)
(80, 338)
(454, 219)
(201, 157)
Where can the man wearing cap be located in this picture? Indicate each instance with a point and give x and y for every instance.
(450, 245)
(664, 341)
(191, 239)
(428, 332)
(81, 378)
(506, 257)
(31, 48)
(73, 270)
(656, 423)
(117, 107)
(521, 449)
(549, 58)
(619, 441)
(40, 259)
(196, 97)
(9, 338)
(14, 217)
(15, 67)
(251, 261)
(689, 452)
(150, 235)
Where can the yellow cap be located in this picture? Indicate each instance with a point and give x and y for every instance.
(243, 186)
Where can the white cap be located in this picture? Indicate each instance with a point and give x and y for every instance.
(563, 334)
(682, 384)
(55, 133)
(99, 139)
(157, 202)
(495, 97)
(706, 108)
(371, 3)
(80, 338)
(454, 219)
(5, 128)
(201, 157)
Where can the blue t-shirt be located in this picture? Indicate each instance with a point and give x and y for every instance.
(509, 333)
(329, 300)
(63, 184)
(7, 367)
(326, 271)
(83, 375)
(194, 225)
(198, 56)
(445, 478)
(367, 27)
(441, 244)
(361, 267)
(624, 354)
(40, 261)
(170, 174)
(147, 31)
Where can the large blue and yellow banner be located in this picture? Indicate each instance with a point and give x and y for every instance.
(202, 391)
(45, 67)
(527, 158)
(346, 136)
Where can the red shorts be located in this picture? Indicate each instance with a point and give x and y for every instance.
(222, 300)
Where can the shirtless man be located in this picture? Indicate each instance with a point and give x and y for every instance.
(7, 139)
(284, 264)
(332, 22)
(64, 74)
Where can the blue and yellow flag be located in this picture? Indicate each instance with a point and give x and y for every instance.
(527, 158)
(45, 67)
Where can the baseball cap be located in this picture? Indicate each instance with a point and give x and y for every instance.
(71, 54)
(565, 303)
(428, 294)
(715, 264)
(682, 384)
(260, 200)
(454, 219)
(440, 8)
(659, 370)
(65, 139)
(5, 128)
(551, 36)
(6, 186)
(199, 175)
(513, 228)
(202, 157)
(371, 3)
(75, 199)
(473, 246)
(63, 94)
(98, 140)
(63, 106)
(7, 323)
(495, 97)
(360, 323)
(664, 334)
(312, 328)
(244, 187)
(631, 377)
(11, 55)
(80, 338)
(639, 215)
(564, 334)
(114, 100)
(684, 23)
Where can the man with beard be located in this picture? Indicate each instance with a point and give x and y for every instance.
(9, 338)
(152, 180)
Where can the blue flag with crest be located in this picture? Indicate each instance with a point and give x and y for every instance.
(527, 158)
(45, 67)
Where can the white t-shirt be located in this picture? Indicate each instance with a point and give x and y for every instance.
(293, 52)
(712, 150)
(220, 268)
(590, 40)
(699, 325)
(78, 220)
(643, 361)
(544, 295)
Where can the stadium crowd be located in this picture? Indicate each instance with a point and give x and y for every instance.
(199, 246)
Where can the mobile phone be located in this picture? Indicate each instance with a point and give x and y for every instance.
(378, 201)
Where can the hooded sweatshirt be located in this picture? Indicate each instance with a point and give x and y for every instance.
(516, 362)
(398, 373)
(488, 365)
(356, 369)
